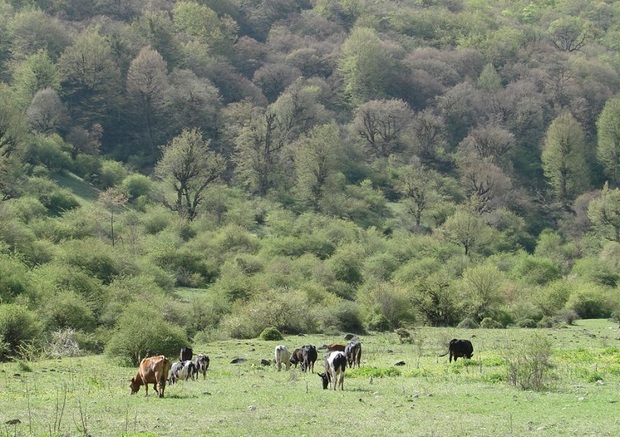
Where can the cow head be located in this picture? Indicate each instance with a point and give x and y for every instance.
(135, 386)
(326, 379)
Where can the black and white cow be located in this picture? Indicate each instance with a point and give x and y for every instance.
(182, 370)
(335, 364)
(353, 351)
(202, 364)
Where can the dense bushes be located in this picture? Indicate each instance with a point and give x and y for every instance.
(19, 327)
(142, 331)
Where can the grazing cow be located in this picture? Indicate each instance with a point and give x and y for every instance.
(310, 356)
(152, 370)
(202, 364)
(353, 351)
(186, 354)
(182, 370)
(297, 357)
(283, 356)
(460, 348)
(335, 364)
(335, 347)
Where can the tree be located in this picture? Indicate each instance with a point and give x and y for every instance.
(315, 155)
(608, 147)
(258, 144)
(364, 65)
(192, 102)
(489, 141)
(466, 229)
(487, 184)
(112, 200)
(568, 34)
(189, 167)
(564, 158)
(418, 188)
(147, 83)
(91, 79)
(604, 212)
(37, 72)
(46, 113)
(382, 124)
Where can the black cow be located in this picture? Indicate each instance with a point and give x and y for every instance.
(186, 354)
(353, 352)
(202, 364)
(310, 356)
(297, 357)
(460, 348)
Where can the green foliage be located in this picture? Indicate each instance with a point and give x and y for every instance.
(13, 280)
(608, 146)
(141, 332)
(18, 327)
(530, 364)
(590, 302)
(111, 173)
(468, 323)
(535, 270)
(271, 334)
(489, 323)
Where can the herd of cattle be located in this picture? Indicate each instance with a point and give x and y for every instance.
(158, 370)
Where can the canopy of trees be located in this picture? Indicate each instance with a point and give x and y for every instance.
(380, 164)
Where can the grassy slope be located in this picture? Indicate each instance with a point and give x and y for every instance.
(429, 398)
(84, 192)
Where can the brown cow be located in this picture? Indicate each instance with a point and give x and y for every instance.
(335, 347)
(152, 370)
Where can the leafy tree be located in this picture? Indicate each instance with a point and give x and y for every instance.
(315, 157)
(157, 29)
(382, 125)
(418, 187)
(465, 229)
(258, 150)
(435, 299)
(189, 167)
(34, 30)
(365, 65)
(568, 34)
(91, 78)
(46, 113)
(604, 212)
(37, 72)
(147, 84)
(564, 158)
(192, 102)
(480, 287)
(608, 134)
(489, 79)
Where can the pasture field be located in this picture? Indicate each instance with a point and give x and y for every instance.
(427, 396)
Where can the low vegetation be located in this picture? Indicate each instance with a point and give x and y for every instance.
(554, 382)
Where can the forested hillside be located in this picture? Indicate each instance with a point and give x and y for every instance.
(205, 169)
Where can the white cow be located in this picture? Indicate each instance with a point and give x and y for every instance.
(283, 356)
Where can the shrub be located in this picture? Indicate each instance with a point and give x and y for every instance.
(111, 174)
(378, 322)
(18, 326)
(271, 334)
(141, 332)
(489, 323)
(63, 344)
(526, 323)
(137, 185)
(343, 316)
(529, 365)
(468, 323)
(591, 302)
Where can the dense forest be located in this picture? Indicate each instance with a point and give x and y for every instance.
(175, 171)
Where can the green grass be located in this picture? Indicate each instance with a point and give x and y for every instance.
(84, 192)
(425, 397)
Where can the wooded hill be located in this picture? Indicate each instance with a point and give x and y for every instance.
(207, 169)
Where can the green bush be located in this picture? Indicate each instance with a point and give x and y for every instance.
(271, 334)
(68, 310)
(111, 174)
(592, 302)
(141, 332)
(526, 323)
(489, 323)
(529, 365)
(18, 327)
(468, 323)
(136, 185)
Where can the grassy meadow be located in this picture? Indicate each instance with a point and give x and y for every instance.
(427, 396)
